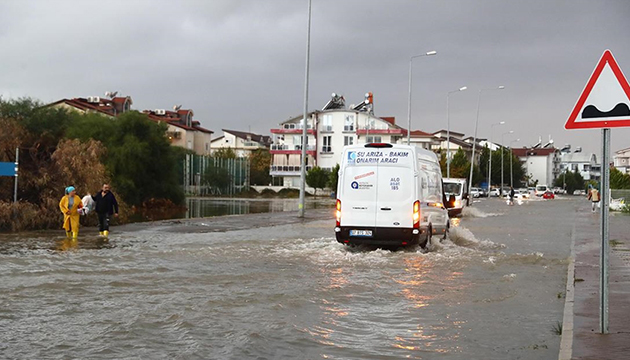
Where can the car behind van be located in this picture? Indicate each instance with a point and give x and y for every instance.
(389, 195)
(541, 189)
(456, 192)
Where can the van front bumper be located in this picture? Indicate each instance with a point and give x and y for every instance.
(382, 236)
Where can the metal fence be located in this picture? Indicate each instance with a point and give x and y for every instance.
(206, 175)
(620, 193)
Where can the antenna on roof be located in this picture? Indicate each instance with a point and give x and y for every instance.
(110, 94)
(177, 107)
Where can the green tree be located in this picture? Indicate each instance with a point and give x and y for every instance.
(224, 153)
(333, 178)
(460, 166)
(619, 180)
(317, 178)
(259, 162)
(140, 159)
(570, 181)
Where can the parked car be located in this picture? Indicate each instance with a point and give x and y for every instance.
(484, 192)
(494, 192)
(548, 195)
(475, 192)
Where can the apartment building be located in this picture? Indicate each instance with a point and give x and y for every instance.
(243, 143)
(541, 164)
(585, 164)
(328, 130)
(621, 160)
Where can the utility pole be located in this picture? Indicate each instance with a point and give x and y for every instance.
(305, 119)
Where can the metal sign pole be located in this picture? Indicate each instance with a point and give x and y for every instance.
(17, 160)
(603, 257)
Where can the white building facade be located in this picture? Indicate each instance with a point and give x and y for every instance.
(541, 165)
(584, 163)
(621, 160)
(328, 132)
(242, 143)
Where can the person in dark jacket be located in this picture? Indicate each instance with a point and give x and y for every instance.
(106, 206)
(511, 195)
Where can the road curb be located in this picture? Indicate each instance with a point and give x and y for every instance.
(566, 342)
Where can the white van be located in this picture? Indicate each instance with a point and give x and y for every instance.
(541, 189)
(389, 195)
(456, 193)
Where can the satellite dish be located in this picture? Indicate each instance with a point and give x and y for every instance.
(177, 107)
(110, 94)
(114, 94)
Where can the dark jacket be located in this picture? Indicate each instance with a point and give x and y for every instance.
(105, 204)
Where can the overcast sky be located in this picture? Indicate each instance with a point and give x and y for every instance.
(240, 64)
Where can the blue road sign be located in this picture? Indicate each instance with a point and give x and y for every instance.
(7, 169)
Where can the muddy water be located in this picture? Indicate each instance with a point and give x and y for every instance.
(291, 292)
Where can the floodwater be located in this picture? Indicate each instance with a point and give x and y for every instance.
(493, 291)
(206, 207)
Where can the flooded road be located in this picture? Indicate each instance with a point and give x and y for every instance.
(493, 291)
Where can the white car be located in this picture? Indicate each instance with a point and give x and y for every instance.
(541, 189)
(494, 192)
(389, 195)
(524, 193)
(475, 192)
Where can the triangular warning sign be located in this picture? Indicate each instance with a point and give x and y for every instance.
(605, 100)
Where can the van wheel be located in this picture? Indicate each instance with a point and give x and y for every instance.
(427, 240)
(448, 227)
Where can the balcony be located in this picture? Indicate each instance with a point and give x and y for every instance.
(364, 130)
(291, 149)
(293, 128)
(287, 170)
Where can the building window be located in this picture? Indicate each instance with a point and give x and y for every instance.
(373, 139)
(348, 124)
(327, 122)
(348, 140)
(326, 146)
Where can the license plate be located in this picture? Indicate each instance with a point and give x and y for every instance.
(367, 233)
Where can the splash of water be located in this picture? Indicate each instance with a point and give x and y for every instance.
(473, 212)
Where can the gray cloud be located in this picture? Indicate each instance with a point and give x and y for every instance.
(241, 63)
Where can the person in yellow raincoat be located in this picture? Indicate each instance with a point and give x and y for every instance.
(69, 205)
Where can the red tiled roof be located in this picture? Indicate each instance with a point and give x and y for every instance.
(522, 152)
(390, 119)
(420, 133)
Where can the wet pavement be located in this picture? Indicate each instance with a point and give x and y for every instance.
(269, 286)
(587, 342)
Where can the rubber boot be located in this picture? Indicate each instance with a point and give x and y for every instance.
(68, 234)
(75, 235)
(101, 233)
(106, 233)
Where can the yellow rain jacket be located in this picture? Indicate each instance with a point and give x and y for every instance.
(70, 222)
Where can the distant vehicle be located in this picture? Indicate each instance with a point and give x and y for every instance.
(531, 190)
(548, 195)
(484, 192)
(524, 193)
(494, 192)
(541, 189)
(475, 192)
(456, 193)
(389, 195)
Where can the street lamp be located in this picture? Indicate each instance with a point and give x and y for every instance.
(472, 159)
(502, 141)
(305, 120)
(491, 144)
(429, 53)
(511, 156)
(448, 131)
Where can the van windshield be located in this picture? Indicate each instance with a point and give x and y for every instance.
(452, 188)
(541, 187)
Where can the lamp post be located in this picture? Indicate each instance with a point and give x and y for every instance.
(472, 159)
(448, 131)
(511, 156)
(429, 53)
(305, 120)
(491, 144)
(502, 141)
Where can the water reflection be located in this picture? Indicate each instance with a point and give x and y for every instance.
(200, 207)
